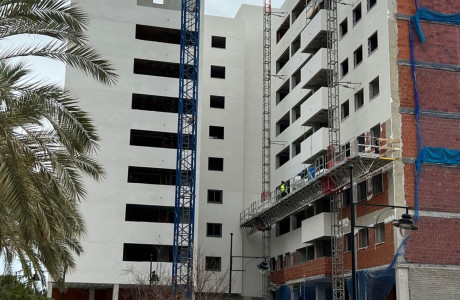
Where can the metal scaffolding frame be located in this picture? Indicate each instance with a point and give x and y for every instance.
(184, 216)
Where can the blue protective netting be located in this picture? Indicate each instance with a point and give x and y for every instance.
(378, 284)
(283, 293)
(428, 15)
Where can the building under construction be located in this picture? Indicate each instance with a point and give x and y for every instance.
(327, 85)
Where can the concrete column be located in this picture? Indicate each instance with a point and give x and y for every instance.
(49, 293)
(402, 283)
(116, 289)
(91, 294)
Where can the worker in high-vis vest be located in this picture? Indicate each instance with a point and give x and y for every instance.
(283, 189)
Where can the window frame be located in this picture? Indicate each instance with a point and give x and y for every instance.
(211, 230)
(221, 192)
(354, 14)
(355, 64)
(371, 84)
(361, 233)
(210, 260)
(381, 239)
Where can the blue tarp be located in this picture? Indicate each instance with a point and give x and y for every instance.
(428, 15)
(283, 293)
(439, 156)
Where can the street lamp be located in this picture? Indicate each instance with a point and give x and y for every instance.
(263, 267)
(405, 225)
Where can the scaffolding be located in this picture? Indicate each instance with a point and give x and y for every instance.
(267, 57)
(184, 215)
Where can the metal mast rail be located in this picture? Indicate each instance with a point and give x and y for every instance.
(267, 58)
(184, 216)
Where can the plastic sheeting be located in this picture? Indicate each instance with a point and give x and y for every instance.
(283, 293)
(428, 15)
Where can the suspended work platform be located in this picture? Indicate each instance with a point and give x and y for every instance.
(320, 179)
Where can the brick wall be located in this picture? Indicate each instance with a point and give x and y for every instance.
(320, 266)
(71, 294)
(433, 283)
(435, 242)
(374, 255)
(443, 6)
(441, 194)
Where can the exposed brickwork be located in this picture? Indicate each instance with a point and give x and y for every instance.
(320, 266)
(439, 194)
(437, 85)
(433, 283)
(374, 255)
(409, 184)
(438, 132)
(435, 242)
(409, 136)
(440, 45)
(407, 7)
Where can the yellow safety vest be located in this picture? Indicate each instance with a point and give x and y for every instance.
(282, 188)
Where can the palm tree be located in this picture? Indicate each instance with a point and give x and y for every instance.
(46, 140)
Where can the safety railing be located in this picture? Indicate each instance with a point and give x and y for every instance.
(360, 145)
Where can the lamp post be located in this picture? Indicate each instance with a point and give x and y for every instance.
(263, 266)
(405, 224)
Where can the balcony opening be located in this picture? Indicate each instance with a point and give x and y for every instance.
(144, 252)
(288, 259)
(218, 42)
(348, 241)
(344, 68)
(156, 68)
(358, 56)
(323, 248)
(377, 184)
(295, 79)
(151, 175)
(301, 255)
(284, 58)
(213, 263)
(297, 219)
(310, 252)
(374, 88)
(343, 27)
(282, 124)
(323, 205)
(149, 213)
(283, 29)
(216, 132)
(375, 135)
(158, 34)
(215, 196)
(296, 145)
(344, 110)
(310, 211)
(280, 262)
(282, 92)
(283, 226)
(361, 140)
(359, 99)
(346, 149)
(282, 157)
(215, 164)
(213, 229)
(380, 233)
(372, 43)
(346, 198)
(295, 46)
(154, 103)
(370, 4)
(217, 101)
(362, 190)
(363, 238)
(357, 14)
(153, 139)
(218, 72)
(300, 6)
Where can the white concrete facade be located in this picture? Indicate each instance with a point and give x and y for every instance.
(112, 31)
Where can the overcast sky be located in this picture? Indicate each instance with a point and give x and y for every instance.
(228, 8)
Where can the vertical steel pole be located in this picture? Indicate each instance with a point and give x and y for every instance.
(231, 268)
(353, 251)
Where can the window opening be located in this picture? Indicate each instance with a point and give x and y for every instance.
(215, 196)
(216, 132)
(218, 42)
(154, 103)
(370, 4)
(344, 68)
(217, 101)
(357, 14)
(343, 27)
(359, 99)
(363, 238)
(143, 252)
(218, 72)
(215, 164)
(282, 157)
(151, 175)
(282, 92)
(213, 230)
(380, 233)
(283, 29)
(374, 88)
(344, 110)
(213, 263)
(282, 60)
(358, 56)
(362, 190)
(377, 184)
(156, 68)
(153, 139)
(372, 43)
(158, 34)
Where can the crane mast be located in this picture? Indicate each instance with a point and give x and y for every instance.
(184, 216)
